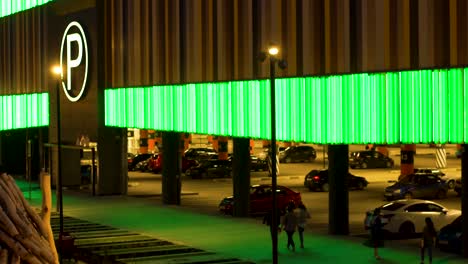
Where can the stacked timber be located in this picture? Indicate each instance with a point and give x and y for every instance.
(24, 236)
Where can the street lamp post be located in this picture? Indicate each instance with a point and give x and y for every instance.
(273, 52)
(58, 72)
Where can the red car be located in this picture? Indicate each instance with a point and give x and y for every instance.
(261, 199)
(155, 164)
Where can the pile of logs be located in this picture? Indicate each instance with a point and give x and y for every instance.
(25, 237)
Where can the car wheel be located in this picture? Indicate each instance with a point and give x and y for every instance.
(364, 165)
(203, 175)
(408, 196)
(352, 167)
(451, 184)
(360, 185)
(287, 160)
(389, 164)
(325, 187)
(441, 194)
(407, 228)
(311, 159)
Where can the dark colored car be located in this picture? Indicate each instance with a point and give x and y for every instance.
(143, 166)
(261, 199)
(156, 162)
(137, 159)
(450, 180)
(298, 154)
(318, 180)
(458, 186)
(369, 159)
(130, 157)
(418, 185)
(200, 153)
(450, 236)
(211, 168)
(257, 164)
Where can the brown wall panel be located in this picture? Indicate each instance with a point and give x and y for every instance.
(170, 41)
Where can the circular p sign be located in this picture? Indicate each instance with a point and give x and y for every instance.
(75, 47)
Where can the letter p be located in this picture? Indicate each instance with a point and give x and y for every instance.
(73, 63)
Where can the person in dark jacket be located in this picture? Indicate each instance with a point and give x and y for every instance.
(376, 232)
(427, 241)
(268, 219)
(289, 225)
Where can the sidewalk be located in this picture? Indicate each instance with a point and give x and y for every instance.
(235, 237)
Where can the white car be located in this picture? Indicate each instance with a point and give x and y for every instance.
(408, 216)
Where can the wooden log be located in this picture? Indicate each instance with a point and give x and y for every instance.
(46, 211)
(3, 256)
(42, 252)
(12, 213)
(7, 224)
(42, 227)
(18, 249)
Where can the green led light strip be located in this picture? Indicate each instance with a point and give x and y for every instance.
(9, 7)
(23, 111)
(420, 106)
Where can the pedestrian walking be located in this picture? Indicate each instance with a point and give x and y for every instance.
(268, 220)
(289, 225)
(376, 232)
(427, 241)
(302, 217)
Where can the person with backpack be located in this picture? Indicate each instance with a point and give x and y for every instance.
(376, 232)
(289, 225)
(302, 217)
(427, 241)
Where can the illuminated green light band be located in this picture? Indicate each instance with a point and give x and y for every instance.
(24, 111)
(421, 106)
(9, 7)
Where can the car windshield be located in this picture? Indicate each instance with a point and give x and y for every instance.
(392, 206)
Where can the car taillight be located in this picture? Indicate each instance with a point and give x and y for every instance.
(316, 178)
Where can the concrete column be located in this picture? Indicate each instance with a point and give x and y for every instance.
(464, 198)
(186, 138)
(407, 158)
(143, 141)
(252, 146)
(171, 168)
(223, 148)
(265, 143)
(338, 203)
(241, 176)
(383, 150)
(112, 161)
(151, 141)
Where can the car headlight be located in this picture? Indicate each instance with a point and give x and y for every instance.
(397, 191)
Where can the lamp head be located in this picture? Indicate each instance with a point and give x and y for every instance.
(273, 51)
(57, 71)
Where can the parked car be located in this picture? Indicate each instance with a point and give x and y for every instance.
(407, 217)
(156, 162)
(212, 168)
(261, 199)
(450, 236)
(417, 185)
(318, 180)
(137, 159)
(144, 165)
(369, 159)
(450, 180)
(298, 154)
(200, 153)
(458, 186)
(130, 157)
(257, 164)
